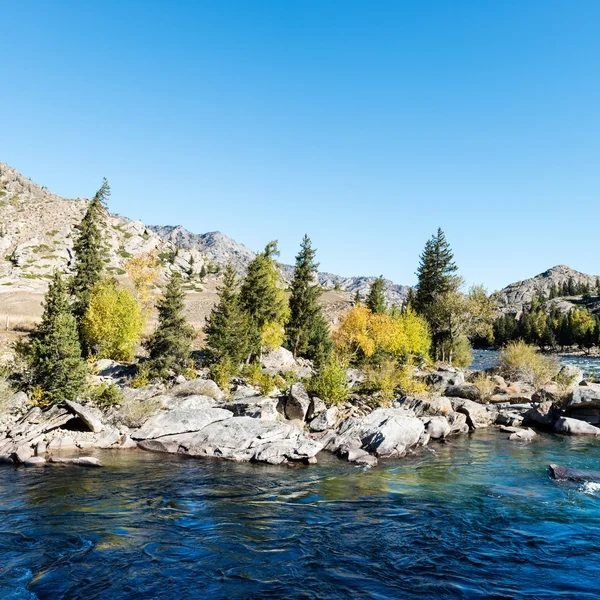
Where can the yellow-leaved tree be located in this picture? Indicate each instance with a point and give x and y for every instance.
(144, 271)
(113, 322)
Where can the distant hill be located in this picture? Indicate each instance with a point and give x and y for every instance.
(513, 298)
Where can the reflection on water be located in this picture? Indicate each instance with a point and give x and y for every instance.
(475, 518)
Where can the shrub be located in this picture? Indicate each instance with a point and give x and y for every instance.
(389, 378)
(486, 385)
(142, 376)
(135, 412)
(521, 362)
(330, 382)
(222, 372)
(460, 350)
(107, 394)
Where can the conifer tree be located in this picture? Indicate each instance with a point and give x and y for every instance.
(203, 272)
(227, 325)
(89, 252)
(357, 298)
(306, 331)
(375, 299)
(598, 286)
(262, 300)
(170, 345)
(54, 355)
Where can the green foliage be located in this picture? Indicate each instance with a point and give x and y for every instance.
(56, 366)
(375, 299)
(522, 362)
(227, 325)
(457, 351)
(222, 372)
(388, 378)
(113, 322)
(89, 253)
(106, 394)
(330, 383)
(307, 331)
(142, 376)
(170, 346)
(261, 298)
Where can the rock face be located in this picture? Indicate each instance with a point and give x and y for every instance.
(256, 407)
(478, 416)
(298, 403)
(515, 297)
(325, 420)
(584, 403)
(179, 421)
(86, 415)
(240, 439)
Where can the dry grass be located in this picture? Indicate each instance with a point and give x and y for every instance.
(486, 385)
(521, 362)
(134, 413)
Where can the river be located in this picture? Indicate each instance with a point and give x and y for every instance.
(478, 517)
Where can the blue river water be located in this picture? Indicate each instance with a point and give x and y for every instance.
(478, 517)
(590, 365)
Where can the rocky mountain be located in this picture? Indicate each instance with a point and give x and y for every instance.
(37, 230)
(513, 298)
(218, 249)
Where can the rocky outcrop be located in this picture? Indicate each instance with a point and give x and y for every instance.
(575, 427)
(297, 403)
(240, 439)
(478, 416)
(257, 407)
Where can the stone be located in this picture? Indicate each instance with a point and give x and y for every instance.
(467, 391)
(561, 473)
(570, 374)
(145, 393)
(61, 443)
(17, 403)
(443, 378)
(522, 435)
(23, 453)
(585, 396)
(360, 457)
(547, 393)
(543, 416)
(298, 402)
(570, 426)
(112, 437)
(279, 360)
(457, 422)
(354, 377)
(478, 416)
(245, 391)
(201, 387)
(127, 444)
(426, 406)
(255, 407)
(186, 402)
(240, 439)
(178, 421)
(34, 461)
(509, 419)
(325, 420)
(82, 461)
(6, 459)
(317, 406)
(40, 448)
(437, 427)
(87, 416)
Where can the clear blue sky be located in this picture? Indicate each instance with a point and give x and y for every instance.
(365, 124)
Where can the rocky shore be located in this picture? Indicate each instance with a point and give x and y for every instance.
(196, 419)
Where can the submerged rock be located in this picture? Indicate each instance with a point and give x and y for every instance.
(82, 461)
(566, 474)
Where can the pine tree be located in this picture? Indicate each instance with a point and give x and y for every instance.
(261, 298)
(375, 299)
(203, 272)
(170, 345)
(54, 355)
(436, 271)
(357, 298)
(306, 329)
(226, 327)
(598, 286)
(89, 252)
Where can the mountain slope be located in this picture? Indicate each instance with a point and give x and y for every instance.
(513, 298)
(219, 249)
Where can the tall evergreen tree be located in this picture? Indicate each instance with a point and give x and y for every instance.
(226, 327)
(170, 345)
(375, 299)
(90, 252)
(598, 286)
(306, 331)
(264, 302)
(54, 355)
(436, 271)
(357, 298)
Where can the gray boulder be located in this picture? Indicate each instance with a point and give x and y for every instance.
(570, 426)
(457, 422)
(571, 374)
(522, 435)
(437, 427)
(17, 403)
(467, 391)
(34, 461)
(425, 406)
(544, 416)
(445, 377)
(325, 420)
(91, 420)
(240, 439)
(478, 416)
(317, 406)
(82, 461)
(179, 421)
(195, 402)
(255, 407)
(198, 387)
(298, 403)
(279, 360)
(587, 396)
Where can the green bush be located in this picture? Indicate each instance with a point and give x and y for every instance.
(522, 362)
(107, 394)
(330, 383)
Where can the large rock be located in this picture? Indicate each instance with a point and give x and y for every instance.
(179, 421)
(426, 406)
(240, 439)
(255, 407)
(298, 403)
(185, 402)
(478, 416)
(570, 426)
(570, 374)
(82, 461)
(445, 377)
(587, 396)
(17, 403)
(278, 360)
(544, 416)
(198, 387)
(437, 427)
(386, 432)
(325, 420)
(468, 391)
(317, 406)
(87, 416)
(458, 423)
(355, 377)
(522, 435)
(547, 393)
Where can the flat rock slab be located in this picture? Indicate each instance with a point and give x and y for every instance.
(240, 439)
(172, 422)
(86, 415)
(570, 426)
(82, 461)
(255, 407)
